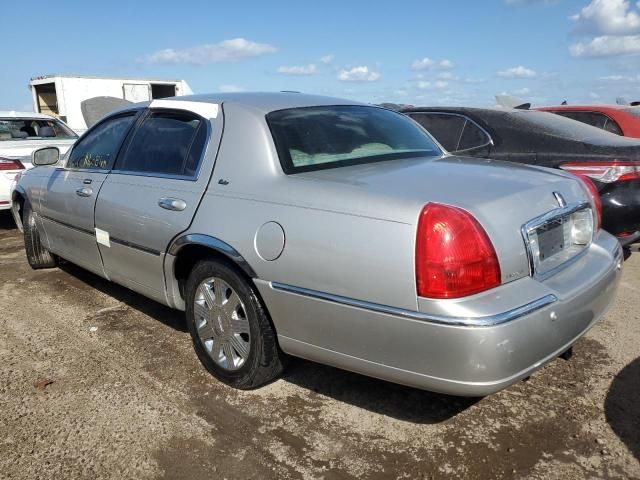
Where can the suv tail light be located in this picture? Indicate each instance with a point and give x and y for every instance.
(10, 164)
(605, 172)
(454, 256)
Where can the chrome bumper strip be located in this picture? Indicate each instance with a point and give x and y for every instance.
(486, 321)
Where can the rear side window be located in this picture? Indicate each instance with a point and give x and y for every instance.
(594, 119)
(314, 138)
(613, 127)
(167, 143)
(472, 137)
(97, 150)
(447, 129)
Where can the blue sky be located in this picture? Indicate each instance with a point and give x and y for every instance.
(420, 52)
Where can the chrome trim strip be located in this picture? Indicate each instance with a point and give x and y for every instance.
(135, 246)
(68, 225)
(537, 222)
(485, 321)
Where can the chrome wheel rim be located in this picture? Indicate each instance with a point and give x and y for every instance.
(222, 324)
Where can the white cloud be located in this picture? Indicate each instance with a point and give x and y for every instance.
(327, 59)
(231, 50)
(606, 46)
(517, 72)
(428, 64)
(617, 78)
(520, 3)
(447, 76)
(428, 85)
(593, 95)
(230, 88)
(522, 91)
(607, 17)
(298, 70)
(358, 74)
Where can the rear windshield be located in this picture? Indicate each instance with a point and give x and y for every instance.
(33, 128)
(315, 138)
(635, 111)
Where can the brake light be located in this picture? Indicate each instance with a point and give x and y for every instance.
(10, 164)
(596, 201)
(605, 172)
(454, 256)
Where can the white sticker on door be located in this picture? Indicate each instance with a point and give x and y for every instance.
(102, 237)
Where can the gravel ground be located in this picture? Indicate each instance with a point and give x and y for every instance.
(99, 382)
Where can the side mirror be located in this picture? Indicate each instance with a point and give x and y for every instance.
(45, 156)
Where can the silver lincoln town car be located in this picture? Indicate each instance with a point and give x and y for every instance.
(322, 228)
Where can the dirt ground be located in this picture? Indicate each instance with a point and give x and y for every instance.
(98, 382)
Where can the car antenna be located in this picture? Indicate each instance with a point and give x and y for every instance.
(564, 103)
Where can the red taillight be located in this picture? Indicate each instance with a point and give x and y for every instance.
(10, 164)
(605, 172)
(595, 197)
(454, 256)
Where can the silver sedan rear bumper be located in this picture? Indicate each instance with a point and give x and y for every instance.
(457, 359)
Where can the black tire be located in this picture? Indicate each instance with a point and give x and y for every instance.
(37, 255)
(265, 360)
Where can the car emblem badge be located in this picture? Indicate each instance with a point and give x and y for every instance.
(560, 199)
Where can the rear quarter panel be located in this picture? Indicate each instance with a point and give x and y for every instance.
(374, 261)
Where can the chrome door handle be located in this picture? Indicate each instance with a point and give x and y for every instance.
(84, 192)
(174, 204)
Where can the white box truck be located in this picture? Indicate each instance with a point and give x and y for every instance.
(61, 95)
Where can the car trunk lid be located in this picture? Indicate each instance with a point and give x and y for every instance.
(502, 196)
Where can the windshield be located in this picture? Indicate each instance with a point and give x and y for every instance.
(314, 138)
(33, 128)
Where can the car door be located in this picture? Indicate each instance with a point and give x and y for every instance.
(69, 197)
(151, 196)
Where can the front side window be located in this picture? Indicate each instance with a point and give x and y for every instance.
(314, 138)
(33, 129)
(167, 143)
(98, 149)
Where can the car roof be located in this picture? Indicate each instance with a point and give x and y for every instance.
(14, 114)
(462, 109)
(594, 108)
(267, 101)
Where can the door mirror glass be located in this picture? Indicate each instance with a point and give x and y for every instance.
(45, 156)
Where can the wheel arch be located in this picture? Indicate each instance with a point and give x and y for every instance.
(187, 250)
(18, 200)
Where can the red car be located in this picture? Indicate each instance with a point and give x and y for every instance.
(619, 119)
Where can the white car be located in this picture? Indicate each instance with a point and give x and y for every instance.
(20, 134)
